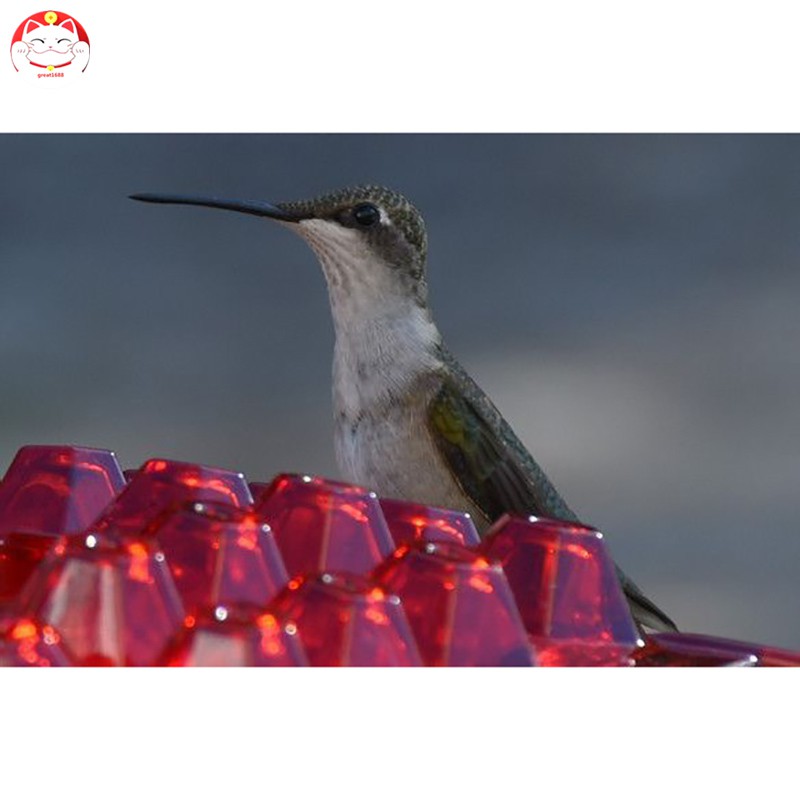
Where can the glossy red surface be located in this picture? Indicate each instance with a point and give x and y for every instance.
(325, 526)
(231, 636)
(220, 556)
(20, 553)
(57, 489)
(110, 603)
(347, 620)
(179, 566)
(460, 606)
(567, 591)
(694, 649)
(160, 484)
(27, 644)
(412, 522)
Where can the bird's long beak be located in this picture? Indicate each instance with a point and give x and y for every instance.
(255, 207)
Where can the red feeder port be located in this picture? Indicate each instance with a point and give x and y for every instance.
(228, 636)
(348, 621)
(220, 556)
(57, 489)
(567, 591)
(110, 603)
(411, 522)
(460, 606)
(160, 484)
(325, 526)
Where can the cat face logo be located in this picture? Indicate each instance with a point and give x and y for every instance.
(50, 44)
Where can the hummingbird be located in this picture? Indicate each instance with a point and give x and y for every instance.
(409, 421)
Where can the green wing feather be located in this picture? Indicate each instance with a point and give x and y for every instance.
(489, 463)
(499, 475)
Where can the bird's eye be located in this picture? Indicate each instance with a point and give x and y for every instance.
(366, 214)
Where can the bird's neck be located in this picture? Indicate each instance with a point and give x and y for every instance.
(380, 355)
(385, 336)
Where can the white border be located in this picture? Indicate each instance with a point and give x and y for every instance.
(575, 65)
(384, 733)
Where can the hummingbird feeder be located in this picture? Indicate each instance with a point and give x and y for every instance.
(178, 564)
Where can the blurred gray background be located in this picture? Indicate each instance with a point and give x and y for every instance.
(629, 302)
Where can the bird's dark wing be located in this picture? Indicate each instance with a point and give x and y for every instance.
(487, 460)
(499, 475)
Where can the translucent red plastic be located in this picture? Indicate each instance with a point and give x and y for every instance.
(566, 588)
(57, 489)
(175, 564)
(220, 556)
(412, 522)
(694, 649)
(27, 644)
(347, 620)
(325, 526)
(109, 603)
(230, 636)
(257, 489)
(20, 554)
(460, 606)
(159, 485)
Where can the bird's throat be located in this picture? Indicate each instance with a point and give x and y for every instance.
(379, 359)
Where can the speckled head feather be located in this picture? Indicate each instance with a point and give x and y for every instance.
(338, 206)
(379, 221)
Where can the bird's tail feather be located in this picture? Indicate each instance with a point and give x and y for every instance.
(646, 613)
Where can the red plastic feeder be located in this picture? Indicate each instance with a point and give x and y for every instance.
(57, 489)
(348, 621)
(698, 650)
(30, 645)
(109, 603)
(460, 606)
(219, 555)
(181, 567)
(325, 526)
(231, 636)
(20, 554)
(160, 485)
(566, 587)
(411, 522)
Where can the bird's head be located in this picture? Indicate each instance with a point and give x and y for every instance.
(370, 240)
